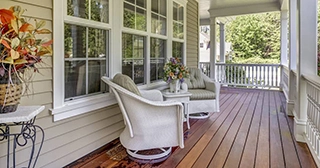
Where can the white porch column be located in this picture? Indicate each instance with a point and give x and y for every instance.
(222, 43)
(213, 47)
(293, 50)
(307, 61)
(284, 38)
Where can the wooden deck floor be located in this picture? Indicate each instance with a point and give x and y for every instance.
(251, 130)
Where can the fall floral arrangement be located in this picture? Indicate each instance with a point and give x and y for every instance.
(20, 49)
(175, 70)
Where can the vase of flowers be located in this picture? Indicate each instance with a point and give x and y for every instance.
(20, 50)
(174, 74)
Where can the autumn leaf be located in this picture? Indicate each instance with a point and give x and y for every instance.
(40, 24)
(14, 54)
(26, 27)
(15, 42)
(47, 43)
(43, 31)
(20, 61)
(4, 42)
(8, 60)
(6, 16)
(14, 25)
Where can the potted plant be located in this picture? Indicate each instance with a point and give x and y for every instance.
(20, 50)
(174, 74)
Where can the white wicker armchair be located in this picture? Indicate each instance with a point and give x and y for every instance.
(150, 122)
(205, 93)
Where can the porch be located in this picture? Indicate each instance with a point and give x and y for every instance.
(252, 130)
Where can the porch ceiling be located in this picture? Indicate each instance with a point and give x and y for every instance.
(222, 8)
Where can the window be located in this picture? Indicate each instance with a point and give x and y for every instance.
(157, 58)
(86, 49)
(85, 60)
(158, 17)
(133, 55)
(177, 50)
(135, 15)
(81, 56)
(178, 15)
(97, 10)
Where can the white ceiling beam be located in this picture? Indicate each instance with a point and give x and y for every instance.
(242, 10)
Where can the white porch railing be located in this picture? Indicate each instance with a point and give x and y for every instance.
(249, 75)
(313, 116)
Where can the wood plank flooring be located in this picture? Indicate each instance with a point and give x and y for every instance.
(252, 130)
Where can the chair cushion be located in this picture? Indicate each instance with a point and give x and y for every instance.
(201, 94)
(127, 83)
(195, 80)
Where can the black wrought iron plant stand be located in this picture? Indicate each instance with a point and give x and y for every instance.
(27, 133)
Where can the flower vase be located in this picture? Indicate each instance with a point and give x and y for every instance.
(174, 86)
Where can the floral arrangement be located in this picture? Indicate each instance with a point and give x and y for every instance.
(20, 49)
(175, 70)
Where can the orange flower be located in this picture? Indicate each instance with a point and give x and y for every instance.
(171, 74)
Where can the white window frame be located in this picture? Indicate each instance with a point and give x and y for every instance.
(168, 38)
(64, 109)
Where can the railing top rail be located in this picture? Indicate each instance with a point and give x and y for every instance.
(249, 64)
(313, 79)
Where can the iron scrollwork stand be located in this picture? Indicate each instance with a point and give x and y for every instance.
(28, 132)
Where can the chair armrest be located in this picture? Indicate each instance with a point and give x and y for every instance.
(152, 95)
(211, 85)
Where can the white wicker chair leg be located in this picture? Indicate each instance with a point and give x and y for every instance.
(200, 115)
(150, 158)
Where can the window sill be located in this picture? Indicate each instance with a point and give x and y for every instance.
(82, 106)
(85, 105)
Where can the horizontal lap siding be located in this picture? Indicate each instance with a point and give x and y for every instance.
(192, 34)
(69, 139)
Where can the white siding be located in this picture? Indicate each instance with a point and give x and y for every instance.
(66, 140)
(192, 34)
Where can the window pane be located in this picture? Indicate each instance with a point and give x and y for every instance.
(157, 48)
(177, 50)
(133, 57)
(75, 78)
(74, 41)
(131, 1)
(141, 19)
(155, 6)
(180, 15)
(175, 11)
(163, 26)
(163, 7)
(78, 8)
(97, 69)
(129, 16)
(180, 34)
(141, 3)
(175, 29)
(154, 23)
(138, 47)
(157, 59)
(97, 43)
(100, 10)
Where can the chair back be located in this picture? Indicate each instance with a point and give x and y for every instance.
(116, 89)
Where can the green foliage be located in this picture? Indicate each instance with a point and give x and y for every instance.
(255, 60)
(255, 35)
